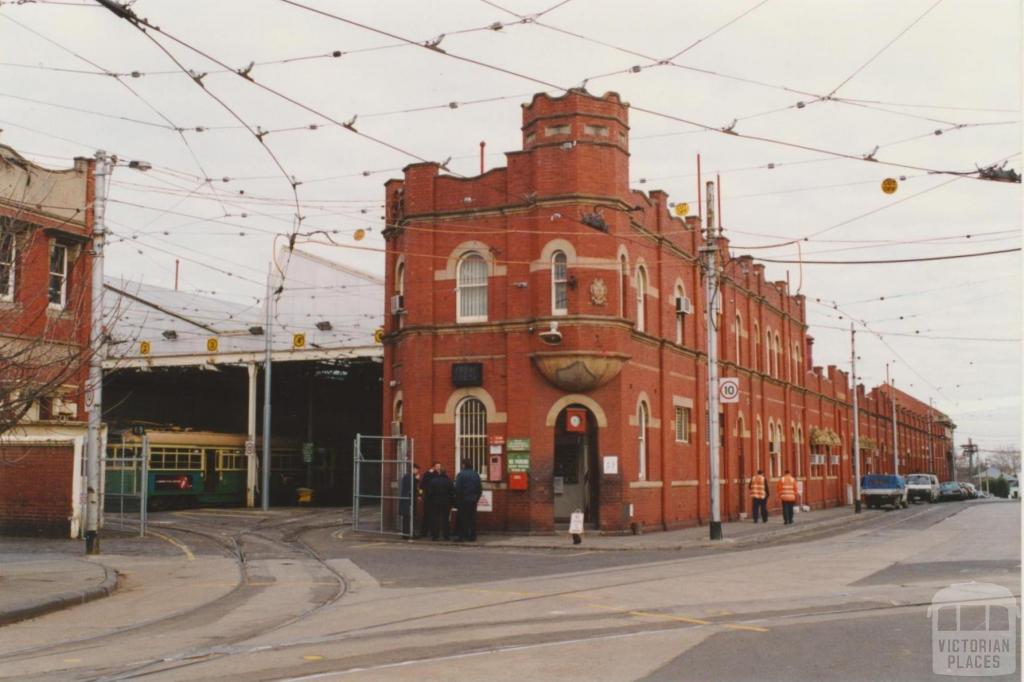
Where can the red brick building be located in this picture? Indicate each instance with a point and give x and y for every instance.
(46, 223)
(546, 314)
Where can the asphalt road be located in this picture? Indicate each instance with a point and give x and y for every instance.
(231, 595)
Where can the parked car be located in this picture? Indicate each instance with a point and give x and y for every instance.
(879, 490)
(970, 492)
(951, 490)
(922, 487)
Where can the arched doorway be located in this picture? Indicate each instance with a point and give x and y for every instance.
(577, 478)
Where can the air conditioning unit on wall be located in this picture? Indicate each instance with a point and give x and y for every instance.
(684, 306)
(396, 428)
(397, 304)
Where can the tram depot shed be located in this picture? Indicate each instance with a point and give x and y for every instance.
(182, 362)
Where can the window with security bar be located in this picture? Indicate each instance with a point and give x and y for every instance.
(471, 435)
(471, 289)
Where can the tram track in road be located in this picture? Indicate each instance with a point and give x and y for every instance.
(386, 630)
(233, 543)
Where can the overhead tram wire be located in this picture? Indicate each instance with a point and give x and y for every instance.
(889, 261)
(652, 112)
(121, 82)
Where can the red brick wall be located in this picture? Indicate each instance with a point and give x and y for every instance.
(509, 216)
(35, 490)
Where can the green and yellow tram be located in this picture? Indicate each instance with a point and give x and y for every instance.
(205, 468)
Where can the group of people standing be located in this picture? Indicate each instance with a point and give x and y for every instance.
(440, 495)
(787, 490)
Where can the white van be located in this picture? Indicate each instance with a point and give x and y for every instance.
(922, 487)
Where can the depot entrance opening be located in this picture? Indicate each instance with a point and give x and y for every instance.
(576, 475)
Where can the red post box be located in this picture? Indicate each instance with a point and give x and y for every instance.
(518, 480)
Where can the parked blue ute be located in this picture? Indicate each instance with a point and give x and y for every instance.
(878, 490)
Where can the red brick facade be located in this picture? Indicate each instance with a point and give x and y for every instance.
(36, 484)
(485, 266)
(46, 221)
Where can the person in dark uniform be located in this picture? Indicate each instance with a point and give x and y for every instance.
(425, 495)
(407, 503)
(439, 504)
(468, 490)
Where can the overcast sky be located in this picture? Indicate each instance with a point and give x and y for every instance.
(897, 73)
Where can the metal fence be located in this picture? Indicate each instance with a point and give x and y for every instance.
(126, 487)
(383, 485)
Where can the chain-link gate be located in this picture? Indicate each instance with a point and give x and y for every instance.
(383, 485)
(125, 486)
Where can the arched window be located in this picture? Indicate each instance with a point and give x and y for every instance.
(396, 419)
(641, 298)
(759, 437)
(400, 279)
(775, 450)
(623, 285)
(398, 298)
(642, 420)
(778, 356)
(756, 359)
(559, 284)
(739, 339)
(471, 434)
(471, 292)
(680, 314)
(768, 352)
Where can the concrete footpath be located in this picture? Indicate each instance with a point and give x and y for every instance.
(32, 586)
(734, 534)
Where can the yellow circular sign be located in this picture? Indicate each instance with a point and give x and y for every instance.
(378, 335)
(145, 347)
(212, 345)
(298, 341)
(889, 185)
(682, 209)
(359, 234)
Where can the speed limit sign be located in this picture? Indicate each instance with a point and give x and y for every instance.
(729, 390)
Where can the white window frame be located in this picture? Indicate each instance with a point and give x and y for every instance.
(739, 339)
(462, 288)
(7, 293)
(472, 444)
(641, 298)
(623, 286)
(559, 283)
(63, 275)
(642, 420)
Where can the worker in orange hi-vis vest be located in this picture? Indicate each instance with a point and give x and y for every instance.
(787, 493)
(759, 493)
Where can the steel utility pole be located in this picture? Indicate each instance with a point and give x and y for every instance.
(265, 486)
(856, 421)
(710, 253)
(94, 391)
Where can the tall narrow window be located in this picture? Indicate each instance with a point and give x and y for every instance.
(58, 289)
(398, 298)
(471, 435)
(642, 419)
(396, 419)
(680, 314)
(559, 284)
(7, 261)
(778, 356)
(739, 339)
(623, 285)
(641, 299)
(756, 358)
(759, 438)
(471, 291)
(768, 352)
